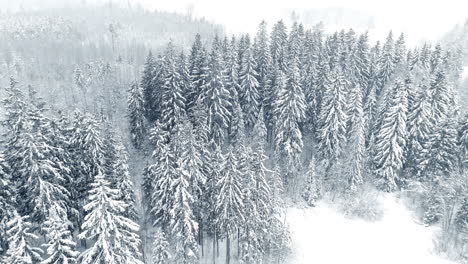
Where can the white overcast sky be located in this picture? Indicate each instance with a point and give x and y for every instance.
(421, 20)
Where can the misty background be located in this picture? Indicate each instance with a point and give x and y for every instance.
(421, 21)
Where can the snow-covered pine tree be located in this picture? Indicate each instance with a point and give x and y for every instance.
(189, 159)
(386, 63)
(60, 245)
(7, 202)
(173, 98)
(186, 181)
(333, 118)
(39, 175)
(15, 114)
(258, 204)
(391, 139)
(136, 115)
(198, 70)
(400, 51)
(278, 45)
(148, 84)
(229, 199)
(440, 97)
(21, 241)
(419, 128)
(290, 111)
(360, 58)
(249, 92)
(217, 98)
(463, 141)
(160, 253)
(443, 154)
(124, 184)
(115, 237)
(356, 148)
(88, 151)
(159, 177)
(262, 57)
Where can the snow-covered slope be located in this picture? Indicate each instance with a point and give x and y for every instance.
(322, 235)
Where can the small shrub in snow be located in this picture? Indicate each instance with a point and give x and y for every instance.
(363, 204)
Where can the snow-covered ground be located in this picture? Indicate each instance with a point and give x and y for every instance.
(322, 235)
(465, 73)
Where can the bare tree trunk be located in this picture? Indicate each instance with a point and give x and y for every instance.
(228, 249)
(214, 248)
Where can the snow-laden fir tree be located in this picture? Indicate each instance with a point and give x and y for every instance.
(114, 237)
(229, 199)
(183, 225)
(442, 155)
(262, 58)
(124, 183)
(173, 90)
(386, 63)
(7, 202)
(463, 140)
(188, 151)
(136, 116)
(419, 129)
(198, 70)
(39, 175)
(278, 45)
(290, 111)
(148, 84)
(217, 98)
(390, 139)
(333, 118)
(249, 92)
(60, 247)
(160, 253)
(21, 241)
(400, 50)
(159, 176)
(88, 149)
(258, 204)
(440, 97)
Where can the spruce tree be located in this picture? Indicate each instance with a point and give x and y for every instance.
(124, 183)
(391, 139)
(386, 63)
(229, 200)
(151, 93)
(249, 92)
(290, 110)
(160, 252)
(136, 115)
(173, 98)
(21, 240)
(217, 98)
(60, 245)
(115, 236)
(278, 45)
(160, 176)
(419, 129)
(333, 118)
(184, 227)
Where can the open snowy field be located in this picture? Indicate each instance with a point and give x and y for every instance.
(322, 235)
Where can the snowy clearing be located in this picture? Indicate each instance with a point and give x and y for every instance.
(465, 73)
(322, 235)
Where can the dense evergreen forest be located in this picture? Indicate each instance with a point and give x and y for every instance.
(195, 156)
